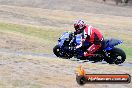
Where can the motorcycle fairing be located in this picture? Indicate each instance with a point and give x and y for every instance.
(63, 37)
(110, 43)
(78, 40)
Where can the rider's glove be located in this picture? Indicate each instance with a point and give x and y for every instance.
(75, 33)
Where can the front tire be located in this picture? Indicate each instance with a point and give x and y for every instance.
(56, 50)
(116, 56)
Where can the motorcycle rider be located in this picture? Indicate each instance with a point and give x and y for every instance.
(90, 34)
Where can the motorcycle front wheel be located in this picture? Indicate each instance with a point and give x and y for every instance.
(56, 50)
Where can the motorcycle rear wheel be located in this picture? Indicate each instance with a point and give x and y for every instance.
(116, 56)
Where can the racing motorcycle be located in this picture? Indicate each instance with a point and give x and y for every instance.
(108, 52)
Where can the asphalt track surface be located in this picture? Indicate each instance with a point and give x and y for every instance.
(126, 64)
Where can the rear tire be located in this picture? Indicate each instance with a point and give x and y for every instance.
(116, 56)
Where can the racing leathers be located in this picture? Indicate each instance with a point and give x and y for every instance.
(94, 37)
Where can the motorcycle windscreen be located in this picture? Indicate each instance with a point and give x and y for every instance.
(110, 43)
(63, 37)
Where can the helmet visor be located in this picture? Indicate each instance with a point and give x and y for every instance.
(76, 27)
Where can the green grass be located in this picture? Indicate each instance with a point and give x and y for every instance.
(44, 33)
(47, 35)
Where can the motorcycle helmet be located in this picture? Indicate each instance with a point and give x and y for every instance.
(79, 26)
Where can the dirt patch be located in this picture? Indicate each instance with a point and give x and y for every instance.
(89, 6)
(26, 71)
